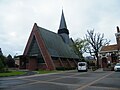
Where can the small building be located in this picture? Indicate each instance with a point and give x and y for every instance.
(48, 50)
(110, 53)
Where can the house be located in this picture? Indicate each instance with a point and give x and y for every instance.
(49, 50)
(110, 53)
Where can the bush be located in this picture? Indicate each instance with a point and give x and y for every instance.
(65, 68)
(1, 66)
(10, 61)
(92, 64)
(94, 68)
(60, 68)
(108, 65)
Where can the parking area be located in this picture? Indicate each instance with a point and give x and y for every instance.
(73, 80)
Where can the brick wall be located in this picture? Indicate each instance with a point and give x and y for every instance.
(42, 66)
(72, 63)
(57, 63)
(65, 63)
(32, 65)
(46, 56)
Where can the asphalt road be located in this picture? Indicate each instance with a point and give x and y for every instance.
(73, 80)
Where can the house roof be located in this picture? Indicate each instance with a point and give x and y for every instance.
(109, 48)
(55, 44)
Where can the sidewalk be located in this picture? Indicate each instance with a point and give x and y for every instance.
(99, 70)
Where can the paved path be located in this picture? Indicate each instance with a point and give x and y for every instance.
(72, 80)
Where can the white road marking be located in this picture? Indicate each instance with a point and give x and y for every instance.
(109, 88)
(81, 88)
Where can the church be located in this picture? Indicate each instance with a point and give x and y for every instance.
(49, 50)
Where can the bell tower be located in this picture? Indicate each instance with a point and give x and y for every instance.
(63, 31)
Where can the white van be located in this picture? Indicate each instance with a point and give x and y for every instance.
(82, 66)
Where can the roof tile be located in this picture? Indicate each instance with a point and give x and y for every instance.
(109, 48)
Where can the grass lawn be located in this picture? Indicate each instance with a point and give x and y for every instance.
(15, 73)
(11, 73)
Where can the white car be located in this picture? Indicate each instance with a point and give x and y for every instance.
(82, 66)
(117, 67)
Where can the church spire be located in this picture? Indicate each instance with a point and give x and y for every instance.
(63, 31)
(62, 22)
(63, 26)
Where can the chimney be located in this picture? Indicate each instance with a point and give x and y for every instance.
(118, 30)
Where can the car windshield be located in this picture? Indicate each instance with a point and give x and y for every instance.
(118, 64)
(81, 64)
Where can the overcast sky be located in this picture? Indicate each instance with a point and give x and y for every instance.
(17, 18)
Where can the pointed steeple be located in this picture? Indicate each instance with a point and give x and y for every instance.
(63, 26)
(62, 22)
(63, 31)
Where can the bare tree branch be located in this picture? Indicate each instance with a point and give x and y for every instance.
(96, 41)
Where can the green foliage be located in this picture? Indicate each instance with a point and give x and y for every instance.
(65, 68)
(79, 47)
(3, 58)
(70, 68)
(11, 73)
(45, 71)
(94, 68)
(92, 64)
(60, 68)
(1, 66)
(10, 61)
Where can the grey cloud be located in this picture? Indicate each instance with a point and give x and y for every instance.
(18, 16)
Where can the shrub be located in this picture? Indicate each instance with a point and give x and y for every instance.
(94, 68)
(60, 68)
(1, 66)
(10, 61)
(65, 68)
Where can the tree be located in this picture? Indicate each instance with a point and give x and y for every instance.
(96, 41)
(1, 66)
(2, 63)
(1, 52)
(79, 47)
(10, 61)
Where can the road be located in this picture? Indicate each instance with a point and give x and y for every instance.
(72, 80)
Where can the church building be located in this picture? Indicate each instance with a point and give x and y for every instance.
(49, 50)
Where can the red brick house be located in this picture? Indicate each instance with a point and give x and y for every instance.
(110, 53)
(48, 50)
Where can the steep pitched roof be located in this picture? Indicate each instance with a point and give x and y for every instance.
(55, 44)
(109, 48)
(52, 41)
(35, 40)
